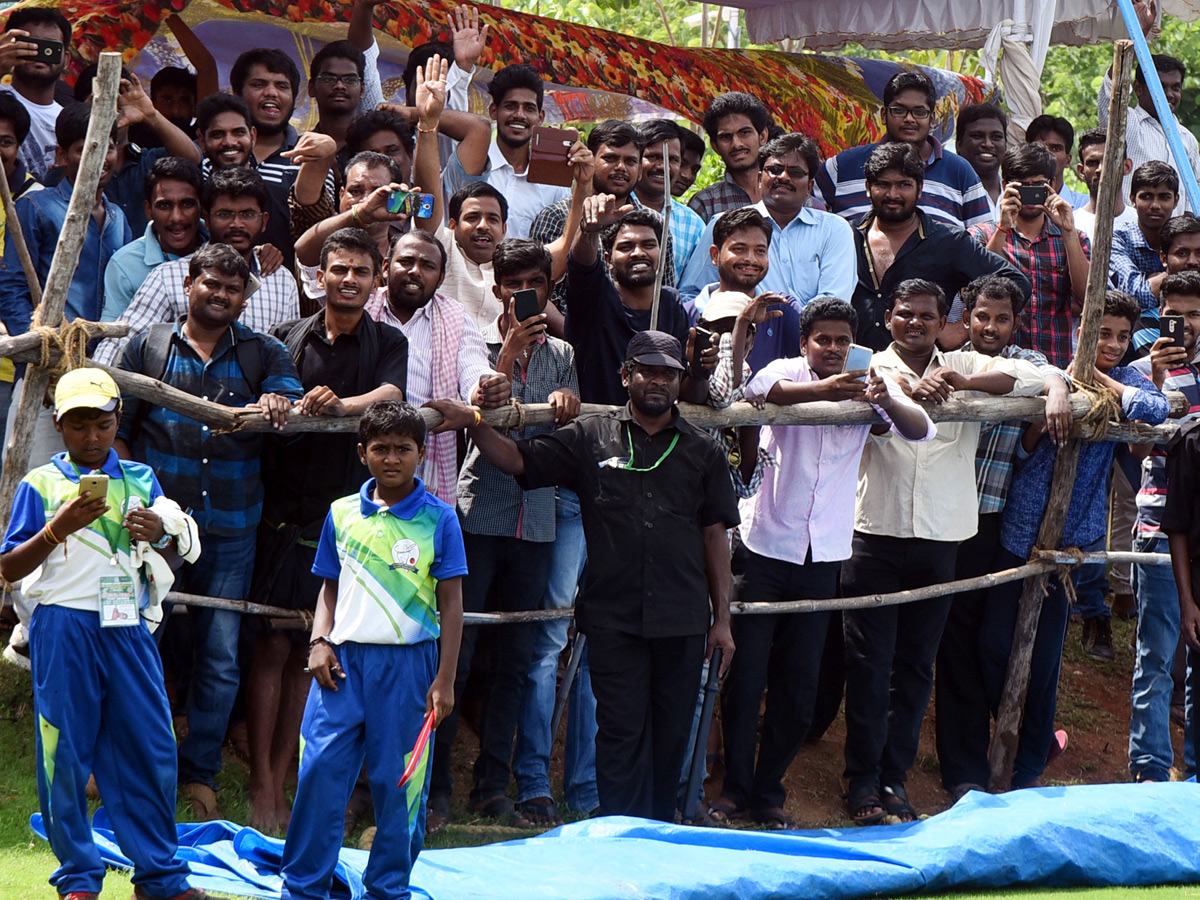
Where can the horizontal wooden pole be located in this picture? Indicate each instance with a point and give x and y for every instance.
(27, 347)
(1044, 562)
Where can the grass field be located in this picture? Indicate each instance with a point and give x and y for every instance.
(26, 862)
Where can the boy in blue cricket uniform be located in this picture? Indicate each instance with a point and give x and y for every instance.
(97, 679)
(392, 559)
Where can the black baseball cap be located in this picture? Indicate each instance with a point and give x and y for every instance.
(655, 348)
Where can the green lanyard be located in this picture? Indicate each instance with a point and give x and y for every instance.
(630, 467)
(111, 533)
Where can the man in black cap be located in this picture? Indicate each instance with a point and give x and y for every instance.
(656, 500)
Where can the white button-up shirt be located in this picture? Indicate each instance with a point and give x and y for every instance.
(525, 198)
(927, 490)
(806, 499)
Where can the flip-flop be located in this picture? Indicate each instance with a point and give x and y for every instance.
(540, 812)
(723, 811)
(774, 818)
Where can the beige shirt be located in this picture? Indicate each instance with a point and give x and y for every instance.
(927, 490)
(468, 283)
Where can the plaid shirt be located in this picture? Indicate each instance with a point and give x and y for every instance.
(214, 476)
(998, 442)
(686, 230)
(491, 502)
(721, 394)
(1046, 321)
(721, 197)
(161, 298)
(1131, 264)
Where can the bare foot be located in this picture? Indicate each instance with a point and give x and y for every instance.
(283, 811)
(263, 815)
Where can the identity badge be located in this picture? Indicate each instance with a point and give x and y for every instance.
(118, 602)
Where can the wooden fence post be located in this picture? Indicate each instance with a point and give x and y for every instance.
(1016, 685)
(62, 270)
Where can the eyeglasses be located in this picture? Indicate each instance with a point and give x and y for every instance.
(794, 172)
(242, 215)
(7, 143)
(331, 80)
(917, 112)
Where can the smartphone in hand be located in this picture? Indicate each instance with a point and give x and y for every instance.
(858, 357)
(1172, 327)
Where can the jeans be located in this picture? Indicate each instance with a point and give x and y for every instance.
(223, 571)
(531, 758)
(995, 646)
(1150, 751)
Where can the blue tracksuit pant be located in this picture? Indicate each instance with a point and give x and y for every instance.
(376, 712)
(102, 709)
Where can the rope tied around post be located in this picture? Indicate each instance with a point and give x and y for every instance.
(517, 409)
(70, 342)
(1106, 410)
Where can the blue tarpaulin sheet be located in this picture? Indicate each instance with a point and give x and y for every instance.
(1130, 834)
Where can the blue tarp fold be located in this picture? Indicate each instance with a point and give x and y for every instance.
(1053, 837)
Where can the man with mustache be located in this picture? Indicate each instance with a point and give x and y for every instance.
(656, 501)
(234, 204)
(655, 184)
(810, 253)
(980, 136)
(898, 240)
(1091, 165)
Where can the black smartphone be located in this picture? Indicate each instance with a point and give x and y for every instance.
(525, 304)
(1033, 194)
(1172, 327)
(703, 339)
(48, 52)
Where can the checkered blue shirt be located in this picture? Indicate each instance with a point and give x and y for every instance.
(998, 442)
(1131, 264)
(215, 476)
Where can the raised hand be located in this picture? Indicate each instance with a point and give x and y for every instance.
(467, 37)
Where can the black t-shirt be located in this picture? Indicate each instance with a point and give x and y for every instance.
(600, 326)
(303, 474)
(644, 529)
(1182, 511)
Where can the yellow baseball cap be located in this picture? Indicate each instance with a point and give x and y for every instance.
(86, 388)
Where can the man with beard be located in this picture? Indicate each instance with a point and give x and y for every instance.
(980, 136)
(1041, 240)
(1091, 165)
(517, 93)
(446, 353)
(33, 82)
(952, 192)
(604, 313)
(736, 125)
(234, 206)
(692, 159)
(346, 361)
(616, 147)
(216, 476)
(811, 253)
(897, 240)
(656, 501)
(1057, 135)
(655, 183)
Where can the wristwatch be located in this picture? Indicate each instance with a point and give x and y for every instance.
(163, 542)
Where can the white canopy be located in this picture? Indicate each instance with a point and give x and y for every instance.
(936, 24)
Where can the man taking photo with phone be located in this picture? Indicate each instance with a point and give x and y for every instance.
(35, 72)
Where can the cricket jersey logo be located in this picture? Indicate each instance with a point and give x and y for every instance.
(405, 554)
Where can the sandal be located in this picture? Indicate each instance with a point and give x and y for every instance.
(540, 812)
(860, 801)
(500, 808)
(722, 811)
(437, 813)
(774, 818)
(895, 801)
(203, 801)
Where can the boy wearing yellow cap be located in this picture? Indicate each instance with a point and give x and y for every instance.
(81, 557)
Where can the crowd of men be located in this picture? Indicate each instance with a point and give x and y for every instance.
(258, 267)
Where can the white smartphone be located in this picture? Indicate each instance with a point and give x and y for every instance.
(858, 357)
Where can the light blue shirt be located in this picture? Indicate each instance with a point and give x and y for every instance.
(127, 270)
(812, 256)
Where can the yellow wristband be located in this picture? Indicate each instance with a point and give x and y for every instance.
(49, 535)
(358, 223)
(478, 418)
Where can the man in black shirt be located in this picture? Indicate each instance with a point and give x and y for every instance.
(656, 501)
(603, 314)
(346, 361)
(896, 241)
